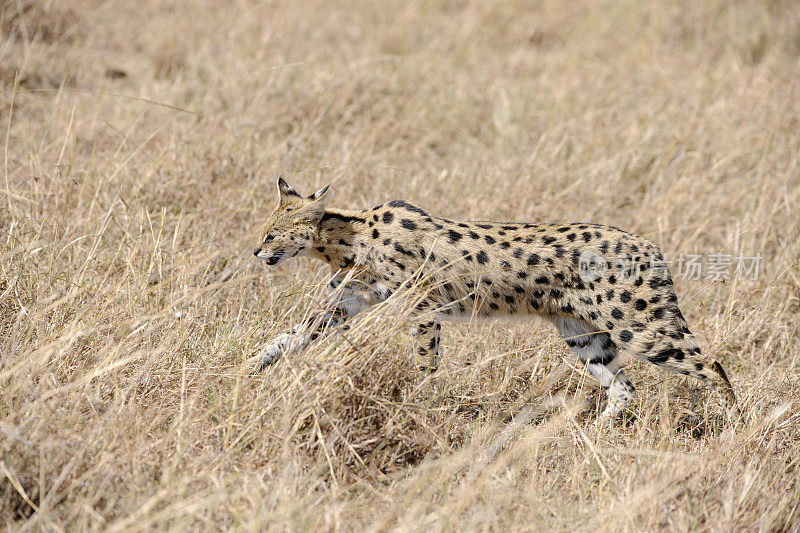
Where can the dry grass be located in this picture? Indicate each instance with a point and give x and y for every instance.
(140, 141)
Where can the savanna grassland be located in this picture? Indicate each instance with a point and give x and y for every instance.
(140, 143)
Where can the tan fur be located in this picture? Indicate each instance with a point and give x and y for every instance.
(625, 303)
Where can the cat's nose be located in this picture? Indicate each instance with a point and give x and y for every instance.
(256, 252)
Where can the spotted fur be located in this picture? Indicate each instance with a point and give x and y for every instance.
(605, 290)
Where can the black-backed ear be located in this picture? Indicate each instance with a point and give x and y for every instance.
(319, 194)
(286, 192)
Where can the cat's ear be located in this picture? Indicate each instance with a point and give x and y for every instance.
(319, 194)
(286, 194)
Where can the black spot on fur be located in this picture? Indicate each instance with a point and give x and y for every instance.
(533, 259)
(605, 341)
(522, 274)
(624, 297)
(542, 280)
(616, 313)
(625, 335)
(481, 257)
(489, 239)
(342, 218)
(665, 355)
(375, 234)
(454, 236)
(604, 359)
(640, 304)
(388, 217)
(408, 224)
(548, 240)
(473, 235)
(408, 207)
(402, 250)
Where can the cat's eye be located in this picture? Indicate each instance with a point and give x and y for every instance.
(269, 238)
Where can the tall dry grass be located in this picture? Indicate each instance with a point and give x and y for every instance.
(140, 142)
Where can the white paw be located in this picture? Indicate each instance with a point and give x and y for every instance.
(273, 351)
